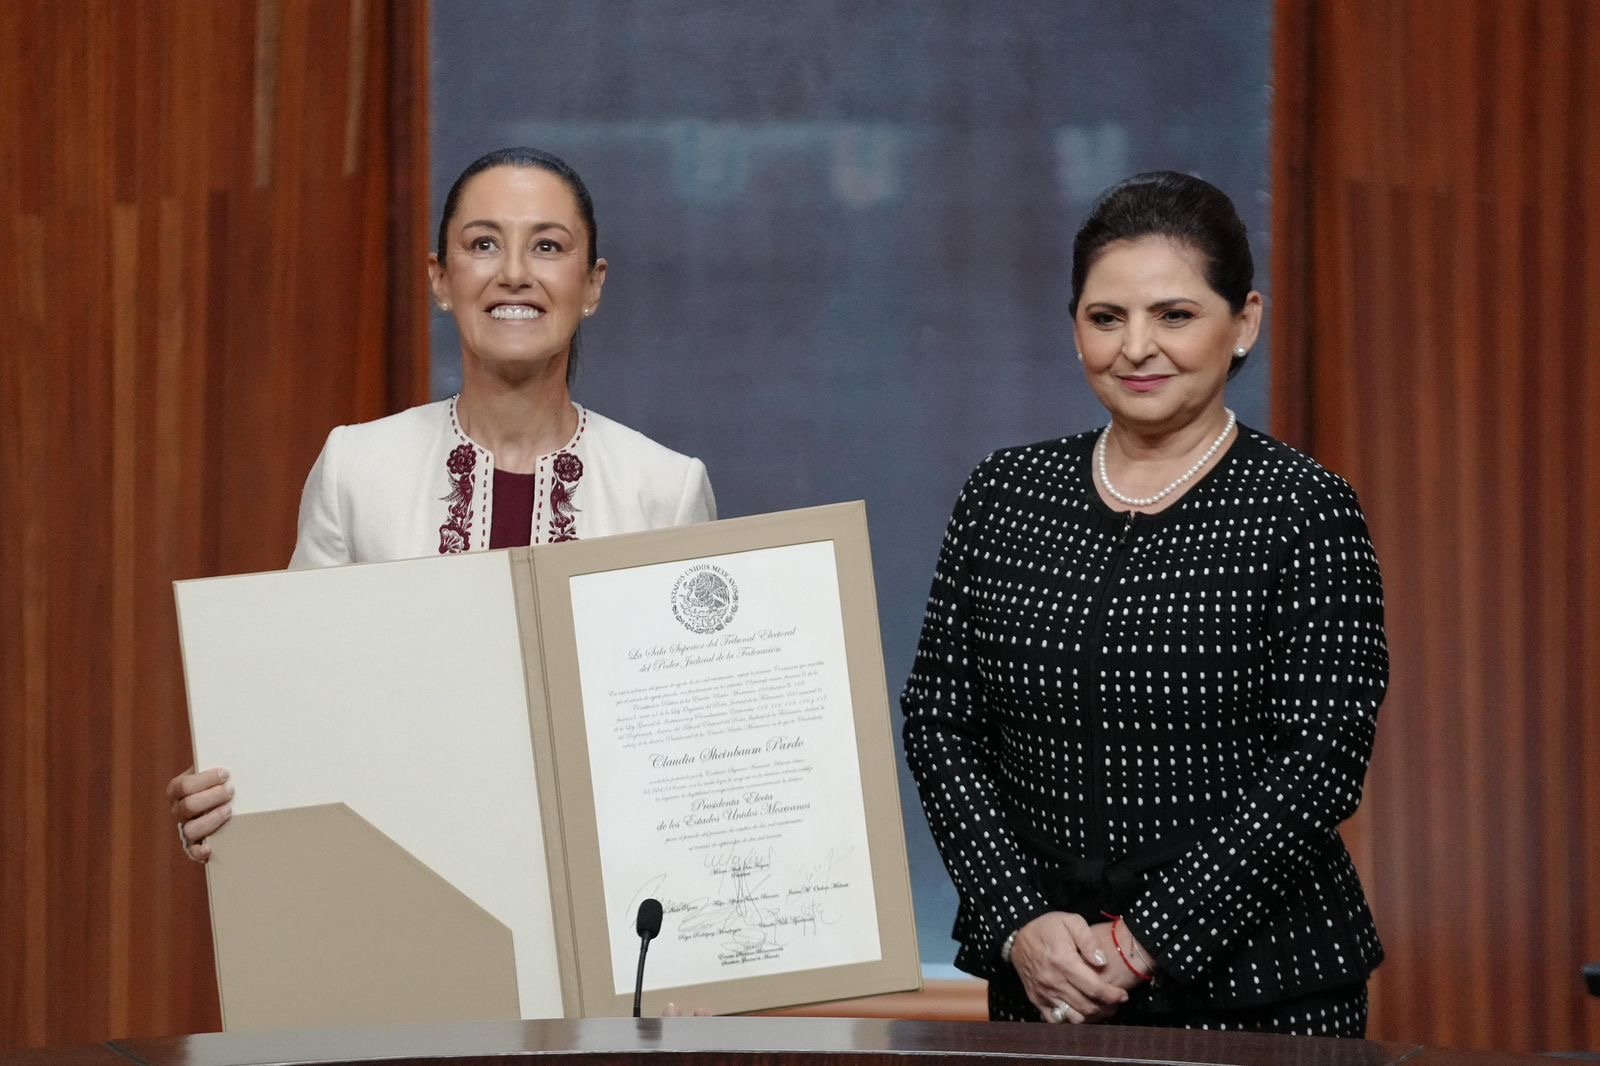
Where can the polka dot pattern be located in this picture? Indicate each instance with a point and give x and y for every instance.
(1107, 681)
(1338, 1012)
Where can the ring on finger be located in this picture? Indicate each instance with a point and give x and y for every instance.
(183, 839)
(1058, 1013)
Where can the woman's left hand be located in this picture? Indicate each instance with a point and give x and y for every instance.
(1120, 972)
(1063, 972)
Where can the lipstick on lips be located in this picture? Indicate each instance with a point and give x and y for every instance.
(1144, 382)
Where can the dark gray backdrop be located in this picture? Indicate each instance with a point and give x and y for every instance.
(840, 233)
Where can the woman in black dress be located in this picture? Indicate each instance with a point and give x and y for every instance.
(1150, 670)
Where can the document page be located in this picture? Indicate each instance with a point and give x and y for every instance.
(723, 753)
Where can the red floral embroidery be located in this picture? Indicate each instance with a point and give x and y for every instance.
(568, 469)
(455, 534)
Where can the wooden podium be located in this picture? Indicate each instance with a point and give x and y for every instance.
(747, 1041)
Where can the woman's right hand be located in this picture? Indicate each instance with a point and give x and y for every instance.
(200, 806)
(1061, 969)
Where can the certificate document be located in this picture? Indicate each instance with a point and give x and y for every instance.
(716, 698)
(720, 741)
(696, 715)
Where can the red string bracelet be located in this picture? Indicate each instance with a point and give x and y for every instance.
(1140, 974)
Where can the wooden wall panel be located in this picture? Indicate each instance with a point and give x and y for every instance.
(214, 220)
(1436, 214)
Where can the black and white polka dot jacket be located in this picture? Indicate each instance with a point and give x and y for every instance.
(1103, 682)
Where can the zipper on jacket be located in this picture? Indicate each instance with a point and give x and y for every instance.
(1096, 836)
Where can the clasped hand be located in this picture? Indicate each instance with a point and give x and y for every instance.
(1070, 969)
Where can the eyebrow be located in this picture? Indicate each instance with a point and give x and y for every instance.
(538, 227)
(1160, 305)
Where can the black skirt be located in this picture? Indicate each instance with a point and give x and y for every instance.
(1327, 1012)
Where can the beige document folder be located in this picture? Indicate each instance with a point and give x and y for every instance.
(419, 829)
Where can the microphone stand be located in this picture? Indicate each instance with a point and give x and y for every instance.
(638, 981)
(647, 925)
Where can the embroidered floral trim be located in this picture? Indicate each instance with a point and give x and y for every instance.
(568, 468)
(455, 535)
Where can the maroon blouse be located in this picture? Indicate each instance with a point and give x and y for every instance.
(512, 522)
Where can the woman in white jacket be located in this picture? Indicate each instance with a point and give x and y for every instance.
(511, 460)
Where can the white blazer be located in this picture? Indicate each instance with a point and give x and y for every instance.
(413, 484)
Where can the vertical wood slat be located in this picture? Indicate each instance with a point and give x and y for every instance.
(406, 48)
(1448, 221)
(1474, 501)
(1508, 174)
(1292, 93)
(189, 309)
(124, 601)
(1583, 237)
(1562, 898)
(356, 82)
(267, 29)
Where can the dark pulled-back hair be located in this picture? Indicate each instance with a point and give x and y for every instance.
(522, 157)
(526, 157)
(1182, 208)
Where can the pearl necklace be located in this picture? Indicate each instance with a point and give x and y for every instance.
(1105, 479)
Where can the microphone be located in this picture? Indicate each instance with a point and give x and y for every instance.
(648, 926)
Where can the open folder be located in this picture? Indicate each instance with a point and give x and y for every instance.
(458, 777)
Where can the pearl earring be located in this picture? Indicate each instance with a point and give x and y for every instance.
(1239, 353)
(1080, 357)
(587, 311)
(444, 307)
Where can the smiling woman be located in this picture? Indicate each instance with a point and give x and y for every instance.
(523, 227)
(1150, 668)
(511, 460)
